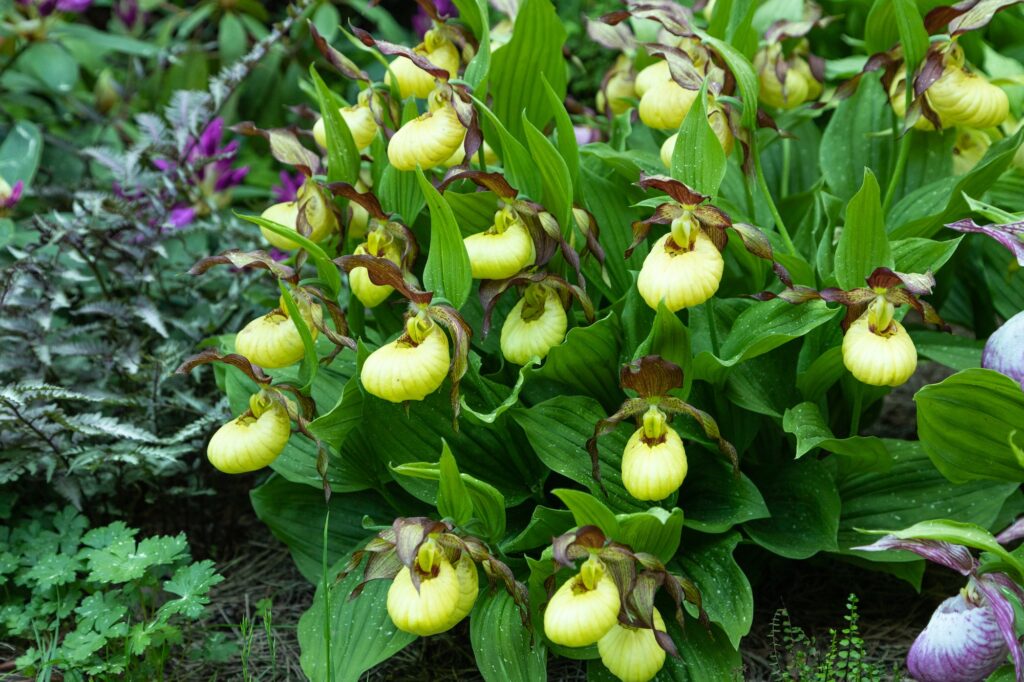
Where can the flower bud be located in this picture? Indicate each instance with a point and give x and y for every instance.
(360, 122)
(107, 92)
(536, 324)
(381, 245)
(584, 608)
(968, 149)
(273, 341)
(800, 84)
(9, 196)
(252, 441)
(413, 81)
(430, 609)
(877, 349)
(503, 250)
(961, 643)
(654, 460)
(409, 368)
(633, 654)
(319, 215)
(428, 140)
(961, 97)
(665, 104)
(682, 277)
(1004, 350)
(618, 89)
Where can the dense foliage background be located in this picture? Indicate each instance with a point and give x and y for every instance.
(136, 137)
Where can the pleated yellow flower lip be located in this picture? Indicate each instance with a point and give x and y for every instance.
(584, 608)
(273, 340)
(536, 324)
(633, 654)
(318, 214)
(411, 367)
(654, 460)
(410, 79)
(431, 606)
(254, 439)
(503, 250)
(428, 140)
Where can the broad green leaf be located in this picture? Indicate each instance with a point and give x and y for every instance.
(713, 498)
(545, 523)
(486, 503)
(473, 211)
(325, 267)
(852, 139)
(587, 362)
(20, 153)
(511, 401)
(362, 634)
(588, 510)
(698, 159)
(505, 651)
(605, 198)
(724, 587)
(295, 515)
(910, 492)
(231, 38)
(452, 497)
(520, 169)
(763, 327)
(97, 40)
(892, 21)
(922, 255)
(746, 79)
(447, 272)
(535, 51)
(51, 65)
(804, 504)
(554, 173)
(965, 424)
(955, 352)
(863, 245)
(558, 430)
(862, 452)
(731, 21)
(566, 136)
(342, 156)
(655, 531)
(333, 427)
(923, 213)
(476, 14)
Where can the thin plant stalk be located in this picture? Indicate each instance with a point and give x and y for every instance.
(780, 225)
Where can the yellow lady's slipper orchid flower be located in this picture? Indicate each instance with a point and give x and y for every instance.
(469, 588)
(503, 250)
(318, 213)
(877, 349)
(536, 324)
(969, 148)
(430, 609)
(383, 246)
(413, 81)
(619, 89)
(273, 341)
(428, 140)
(411, 367)
(360, 122)
(251, 441)
(584, 608)
(665, 103)
(654, 460)
(683, 272)
(633, 654)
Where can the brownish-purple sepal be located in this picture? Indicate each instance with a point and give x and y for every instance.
(211, 355)
(246, 260)
(388, 48)
(383, 272)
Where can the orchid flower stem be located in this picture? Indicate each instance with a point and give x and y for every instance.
(858, 399)
(763, 184)
(897, 172)
(709, 309)
(787, 153)
(326, 586)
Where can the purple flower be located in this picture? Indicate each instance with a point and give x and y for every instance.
(9, 196)
(961, 643)
(47, 7)
(586, 134)
(288, 188)
(211, 168)
(127, 11)
(969, 635)
(421, 21)
(1010, 235)
(1004, 350)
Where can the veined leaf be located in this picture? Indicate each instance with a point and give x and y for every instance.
(863, 245)
(342, 156)
(726, 592)
(698, 159)
(447, 272)
(519, 165)
(325, 267)
(310, 362)
(588, 510)
(554, 173)
(864, 453)
(505, 651)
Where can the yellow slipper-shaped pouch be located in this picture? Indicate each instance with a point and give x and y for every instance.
(252, 441)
